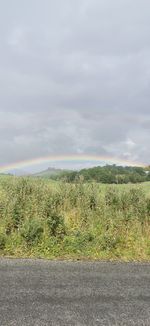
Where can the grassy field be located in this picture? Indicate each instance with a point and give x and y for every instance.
(41, 218)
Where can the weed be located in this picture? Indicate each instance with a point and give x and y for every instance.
(55, 219)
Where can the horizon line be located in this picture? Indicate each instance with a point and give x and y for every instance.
(69, 158)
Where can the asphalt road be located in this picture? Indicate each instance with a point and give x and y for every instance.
(40, 293)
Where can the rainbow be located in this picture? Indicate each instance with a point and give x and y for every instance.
(80, 158)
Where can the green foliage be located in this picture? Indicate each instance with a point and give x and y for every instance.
(56, 225)
(108, 174)
(31, 231)
(2, 241)
(110, 241)
(148, 176)
(81, 219)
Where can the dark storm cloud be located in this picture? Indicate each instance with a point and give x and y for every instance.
(74, 78)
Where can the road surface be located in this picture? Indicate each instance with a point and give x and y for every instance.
(40, 293)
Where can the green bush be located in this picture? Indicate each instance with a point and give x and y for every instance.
(56, 225)
(112, 198)
(2, 241)
(148, 207)
(109, 241)
(31, 231)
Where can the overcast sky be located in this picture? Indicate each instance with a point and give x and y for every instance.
(74, 78)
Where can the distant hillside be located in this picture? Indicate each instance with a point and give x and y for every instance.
(51, 173)
(108, 174)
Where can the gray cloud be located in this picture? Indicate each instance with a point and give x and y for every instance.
(74, 78)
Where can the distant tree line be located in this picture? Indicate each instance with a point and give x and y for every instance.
(108, 174)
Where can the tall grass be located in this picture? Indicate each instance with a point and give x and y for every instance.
(49, 219)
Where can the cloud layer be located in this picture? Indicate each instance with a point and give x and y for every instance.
(74, 78)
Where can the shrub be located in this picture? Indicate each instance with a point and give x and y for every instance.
(148, 206)
(112, 198)
(109, 241)
(56, 225)
(31, 231)
(2, 241)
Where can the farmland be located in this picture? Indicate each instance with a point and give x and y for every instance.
(54, 219)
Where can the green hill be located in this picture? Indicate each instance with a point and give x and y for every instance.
(108, 174)
(51, 173)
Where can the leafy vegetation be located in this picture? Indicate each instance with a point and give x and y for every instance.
(42, 218)
(108, 174)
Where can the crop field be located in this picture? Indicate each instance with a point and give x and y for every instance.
(43, 218)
